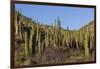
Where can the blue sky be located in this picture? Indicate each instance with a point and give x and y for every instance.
(73, 17)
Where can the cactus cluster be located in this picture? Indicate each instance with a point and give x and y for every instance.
(37, 37)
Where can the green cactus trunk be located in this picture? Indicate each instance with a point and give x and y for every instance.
(38, 36)
(16, 23)
(26, 45)
(32, 32)
(39, 45)
(86, 46)
(20, 33)
(54, 39)
(19, 28)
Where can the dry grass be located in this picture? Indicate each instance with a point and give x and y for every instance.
(53, 55)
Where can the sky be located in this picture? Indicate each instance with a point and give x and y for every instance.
(73, 17)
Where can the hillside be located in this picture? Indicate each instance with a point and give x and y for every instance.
(36, 43)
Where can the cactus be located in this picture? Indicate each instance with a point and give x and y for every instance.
(86, 47)
(37, 36)
(19, 28)
(52, 36)
(32, 32)
(76, 39)
(26, 45)
(46, 39)
(20, 33)
(38, 39)
(55, 38)
(16, 25)
(39, 45)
